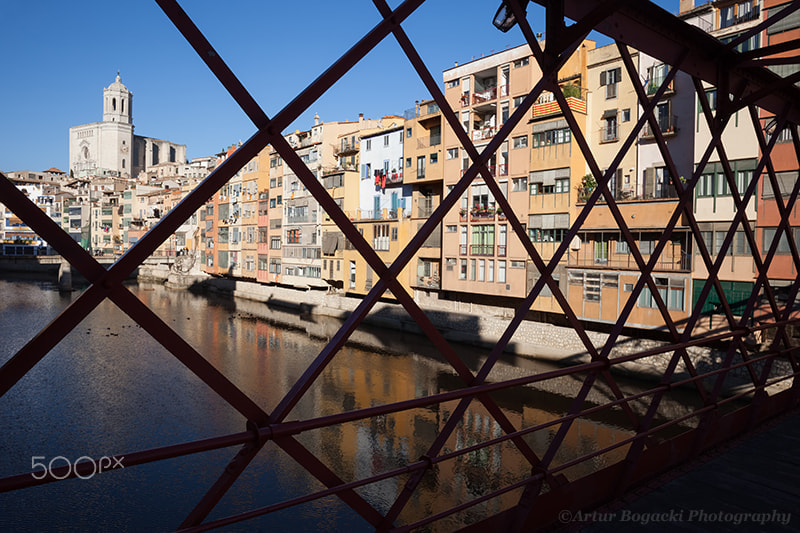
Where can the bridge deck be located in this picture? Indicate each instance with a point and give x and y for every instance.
(752, 480)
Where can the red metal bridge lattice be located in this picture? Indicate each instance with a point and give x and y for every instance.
(743, 84)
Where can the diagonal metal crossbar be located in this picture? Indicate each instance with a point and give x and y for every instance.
(548, 483)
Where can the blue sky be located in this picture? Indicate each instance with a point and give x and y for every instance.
(58, 56)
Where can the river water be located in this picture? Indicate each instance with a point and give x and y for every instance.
(109, 388)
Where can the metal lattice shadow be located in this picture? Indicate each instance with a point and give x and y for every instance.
(742, 83)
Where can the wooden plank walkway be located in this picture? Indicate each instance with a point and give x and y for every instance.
(750, 484)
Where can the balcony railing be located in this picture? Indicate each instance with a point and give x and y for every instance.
(425, 211)
(431, 282)
(482, 249)
(395, 178)
(667, 125)
(346, 147)
(544, 109)
(501, 250)
(484, 96)
(482, 214)
(678, 262)
(380, 244)
(608, 135)
(655, 84)
(486, 132)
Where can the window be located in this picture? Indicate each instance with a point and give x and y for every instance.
(293, 236)
(434, 158)
(554, 136)
(462, 272)
(394, 234)
(501, 272)
(369, 144)
(521, 142)
(420, 167)
(452, 83)
(452, 153)
(451, 228)
(601, 241)
(626, 115)
(386, 140)
(408, 162)
(408, 132)
(352, 274)
(769, 236)
(610, 78)
(672, 292)
(521, 62)
(490, 271)
(481, 270)
(726, 16)
(519, 184)
(518, 100)
(609, 133)
(562, 185)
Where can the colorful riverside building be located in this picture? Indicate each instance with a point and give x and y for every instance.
(782, 271)
(557, 167)
(536, 168)
(295, 219)
(714, 207)
(476, 249)
(384, 205)
(424, 173)
(342, 182)
(601, 269)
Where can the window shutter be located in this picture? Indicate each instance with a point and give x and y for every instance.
(602, 78)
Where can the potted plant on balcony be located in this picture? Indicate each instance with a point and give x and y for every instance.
(588, 184)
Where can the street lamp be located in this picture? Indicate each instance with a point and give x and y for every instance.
(504, 19)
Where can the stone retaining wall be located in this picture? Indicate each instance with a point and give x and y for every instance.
(484, 325)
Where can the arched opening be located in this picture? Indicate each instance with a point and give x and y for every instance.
(114, 104)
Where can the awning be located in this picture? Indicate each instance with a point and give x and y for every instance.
(330, 240)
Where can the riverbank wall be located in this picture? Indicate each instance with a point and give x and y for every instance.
(483, 326)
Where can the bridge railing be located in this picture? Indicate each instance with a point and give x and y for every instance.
(548, 484)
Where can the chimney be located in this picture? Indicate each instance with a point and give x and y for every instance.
(316, 119)
(360, 117)
(685, 5)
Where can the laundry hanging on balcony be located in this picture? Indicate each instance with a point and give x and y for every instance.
(380, 179)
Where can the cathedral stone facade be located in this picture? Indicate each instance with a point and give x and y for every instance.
(111, 145)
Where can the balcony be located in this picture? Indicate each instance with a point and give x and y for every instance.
(482, 214)
(380, 244)
(654, 85)
(395, 178)
(430, 282)
(485, 132)
(345, 147)
(434, 140)
(608, 134)
(667, 125)
(545, 109)
(485, 95)
(678, 262)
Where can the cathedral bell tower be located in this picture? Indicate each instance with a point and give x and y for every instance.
(117, 103)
